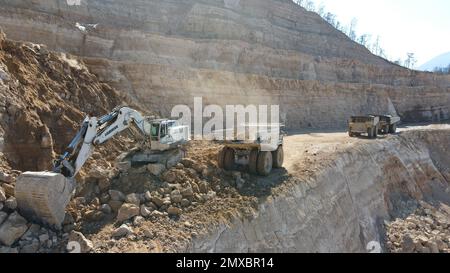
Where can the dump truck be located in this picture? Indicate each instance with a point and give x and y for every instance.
(43, 196)
(388, 124)
(359, 125)
(258, 156)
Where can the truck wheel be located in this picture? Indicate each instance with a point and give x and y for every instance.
(221, 158)
(253, 162)
(228, 162)
(370, 132)
(387, 129)
(278, 157)
(375, 133)
(393, 129)
(264, 163)
(350, 134)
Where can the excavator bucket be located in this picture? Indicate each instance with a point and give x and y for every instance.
(43, 196)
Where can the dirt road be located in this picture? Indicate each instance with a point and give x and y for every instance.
(304, 150)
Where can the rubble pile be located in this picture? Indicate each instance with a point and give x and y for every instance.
(425, 231)
(44, 96)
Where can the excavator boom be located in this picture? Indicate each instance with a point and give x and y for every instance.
(43, 196)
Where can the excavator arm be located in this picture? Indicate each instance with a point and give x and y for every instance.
(94, 132)
(43, 196)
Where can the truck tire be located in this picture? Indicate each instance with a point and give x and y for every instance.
(228, 162)
(350, 134)
(221, 158)
(264, 163)
(370, 132)
(393, 129)
(253, 162)
(278, 157)
(375, 133)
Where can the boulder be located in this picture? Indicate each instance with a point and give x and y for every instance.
(156, 169)
(408, 245)
(148, 196)
(122, 231)
(3, 216)
(203, 187)
(145, 211)
(94, 215)
(6, 178)
(98, 173)
(115, 205)
(2, 195)
(175, 196)
(85, 244)
(104, 184)
(106, 209)
(174, 211)
(187, 192)
(138, 220)
(116, 195)
(187, 162)
(133, 198)
(157, 201)
(8, 250)
(104, 198)
(127, 211)
(9, 189)
(12, 229)
(32, 247)
(169, 177)
(211, 195)
(199, 168)
(185, 203)
(156, 213)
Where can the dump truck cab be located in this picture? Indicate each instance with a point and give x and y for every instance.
(359, 125)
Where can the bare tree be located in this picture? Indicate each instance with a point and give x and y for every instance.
(321, 10)
(364, 39)
(309, 5)
(299, 2)
(410, 61)
(352, 29)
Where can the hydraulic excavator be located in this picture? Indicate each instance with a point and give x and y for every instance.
(43, 196)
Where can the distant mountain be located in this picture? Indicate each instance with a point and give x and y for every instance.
(440, 61)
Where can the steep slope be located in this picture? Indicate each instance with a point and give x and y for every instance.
(44, 98)
(230, 52)
(355, 190)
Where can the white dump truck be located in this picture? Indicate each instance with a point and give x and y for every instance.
(388, 124)
(258, 155)
(359, 125)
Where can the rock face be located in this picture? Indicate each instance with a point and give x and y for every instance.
(344, 207)
(165, 53)
(40, 84)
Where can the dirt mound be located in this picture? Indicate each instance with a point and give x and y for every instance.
(44, 96)
(140, 210)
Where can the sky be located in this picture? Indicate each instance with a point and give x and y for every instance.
(417, 26)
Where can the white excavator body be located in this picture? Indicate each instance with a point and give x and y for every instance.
(43, 196)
